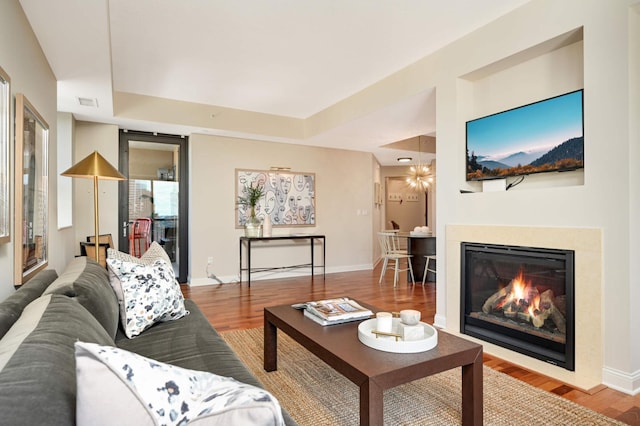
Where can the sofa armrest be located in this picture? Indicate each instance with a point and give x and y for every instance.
(11, 308)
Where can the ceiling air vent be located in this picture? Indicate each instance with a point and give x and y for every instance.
(88, 102)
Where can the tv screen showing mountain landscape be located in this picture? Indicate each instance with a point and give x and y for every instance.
(545, 136)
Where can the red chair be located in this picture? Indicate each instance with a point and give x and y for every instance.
(139, 236)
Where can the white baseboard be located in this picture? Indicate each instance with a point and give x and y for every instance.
(440, 321)
(197, 282)
(350, 268)
(270, 275)
(621, 381)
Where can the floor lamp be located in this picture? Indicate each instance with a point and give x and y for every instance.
(95, 167)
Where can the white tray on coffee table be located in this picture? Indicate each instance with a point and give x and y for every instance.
(391, 344)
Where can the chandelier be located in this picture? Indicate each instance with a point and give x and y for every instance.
(420, 175)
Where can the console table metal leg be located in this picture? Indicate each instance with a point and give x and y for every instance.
(249, 263)
(240, 257)
(313, 270)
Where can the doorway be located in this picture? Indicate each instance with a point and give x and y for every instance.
(404, 207)
(155, 195)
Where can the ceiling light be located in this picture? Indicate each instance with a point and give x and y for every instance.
(420, 176)
(404, 159)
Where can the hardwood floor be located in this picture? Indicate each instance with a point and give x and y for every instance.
(234, 306)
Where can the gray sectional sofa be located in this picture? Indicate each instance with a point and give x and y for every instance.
(41, 321)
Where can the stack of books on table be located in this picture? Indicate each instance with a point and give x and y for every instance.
(336, 311)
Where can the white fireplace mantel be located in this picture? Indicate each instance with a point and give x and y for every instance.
(587, 245)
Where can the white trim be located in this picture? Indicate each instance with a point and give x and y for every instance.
(258, 276)
(621, 381)
(440, 321)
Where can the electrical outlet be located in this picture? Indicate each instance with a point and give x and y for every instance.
(209, 260)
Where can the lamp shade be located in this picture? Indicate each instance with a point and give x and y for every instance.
(94, 165)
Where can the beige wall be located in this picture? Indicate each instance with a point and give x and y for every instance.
(634, 179)
(26, 65)
(103, 138)
(344, 211)
(416, 215)
(344, 204)
(407, 212)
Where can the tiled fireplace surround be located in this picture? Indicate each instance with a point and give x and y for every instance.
(587, 245)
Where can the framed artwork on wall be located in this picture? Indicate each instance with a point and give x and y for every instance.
(5, 119)
(289, 197)
(31, 191)
(377, 194)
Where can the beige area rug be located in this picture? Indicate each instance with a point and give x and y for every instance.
(314, 394)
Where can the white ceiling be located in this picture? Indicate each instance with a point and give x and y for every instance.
(284, 57)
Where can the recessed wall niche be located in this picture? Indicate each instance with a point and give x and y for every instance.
(549, 69)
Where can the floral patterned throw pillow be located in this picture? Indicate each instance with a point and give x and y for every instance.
(120, 387)
(154, 253)
(150, 294)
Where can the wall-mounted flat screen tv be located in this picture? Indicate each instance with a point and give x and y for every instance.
(545, 136)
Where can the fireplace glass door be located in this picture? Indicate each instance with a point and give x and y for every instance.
(520, 298)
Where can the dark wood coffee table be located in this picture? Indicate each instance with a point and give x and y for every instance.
(372, 370)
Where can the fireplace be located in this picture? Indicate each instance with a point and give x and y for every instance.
(521, 298)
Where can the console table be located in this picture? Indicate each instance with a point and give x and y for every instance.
(249, 241)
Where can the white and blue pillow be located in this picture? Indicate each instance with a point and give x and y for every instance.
(150, 294)
(154, 253)
(120, 387)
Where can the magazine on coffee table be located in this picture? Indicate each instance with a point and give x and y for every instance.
(340, 309)
(323, 321)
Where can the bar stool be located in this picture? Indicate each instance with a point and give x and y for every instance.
(139, 236)
(427, 268)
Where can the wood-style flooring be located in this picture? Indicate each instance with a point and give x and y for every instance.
(236, 306)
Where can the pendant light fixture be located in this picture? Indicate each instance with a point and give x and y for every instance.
(420, 175)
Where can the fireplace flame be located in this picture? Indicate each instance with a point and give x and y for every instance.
(523, 297)
(521, 301)
(520, 290)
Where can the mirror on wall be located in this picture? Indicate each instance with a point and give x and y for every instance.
(5, 114)
(31, 190)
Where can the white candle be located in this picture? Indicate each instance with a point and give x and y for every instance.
(384, 321)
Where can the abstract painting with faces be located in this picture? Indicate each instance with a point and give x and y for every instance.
(289, 197)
